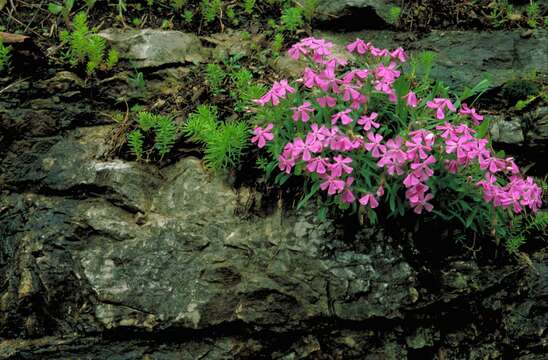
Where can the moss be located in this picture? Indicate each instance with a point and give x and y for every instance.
(520, 89)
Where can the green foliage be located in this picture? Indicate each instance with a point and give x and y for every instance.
(4, 56)
(215, 76)
(519, 89)
(122, 7)
(457, 191)
(161, 127)
(249, 5)
(188, 16)
(138, 84)
(422, 64)
(165, 135)
(90, 4)
(292, 19)
(533, 14)
(243, 90)
(525, 226)
(309, 9)
(277, 43)
(146, 120)
(231, 15)
(112, 58)
(62, 9)
(211, 9)
(223, 142)
(394, 14)
(86, 47)
(135, 141)
(178, 4)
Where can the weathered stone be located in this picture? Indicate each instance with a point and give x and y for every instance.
(537, 125)
(507, 132)
(148, 47)
(464, 58)
(370, 12)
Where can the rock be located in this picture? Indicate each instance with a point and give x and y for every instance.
(151, 48)
(507, 132)
(357, 14)
(190, 262)
(423, 337)
(464, 58)
(537, 133)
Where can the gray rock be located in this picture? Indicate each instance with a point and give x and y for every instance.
(149, 48)
(335, 9)
(189, 262)
(507, 132)
(464, 58)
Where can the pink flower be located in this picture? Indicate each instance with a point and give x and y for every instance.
(302, 112)
(399, 54)
(350, 93)
(423, 204)
(327, 101)
(369, 199)
(360, 74)
(318, 165)
(374, 146)
(440, 104)
(285, 164)
(411, 99)
(279, 91)
(379, 52)
(387, 73)
(448, 130)
(380, 191)
(319, 47)
(452, 166)
(340, 166)
(415, 193)
(343, 116)
(347, 195)
(367, 121)
(492, 164)
(358, 46)
(332, 184)
(297, 50)
(419, 144)
(394, 158)
(262, 135)
(310, 145)
(476, 118)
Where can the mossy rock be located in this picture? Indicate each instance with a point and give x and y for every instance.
(520, 89)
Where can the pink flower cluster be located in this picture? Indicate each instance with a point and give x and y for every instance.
(339, 133)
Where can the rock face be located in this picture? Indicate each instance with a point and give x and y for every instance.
(113, 259)
(356, 14)
(464, 58)
(148, 48)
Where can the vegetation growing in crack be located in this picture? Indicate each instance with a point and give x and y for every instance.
(152, 134)
(223, 142)
(4, 56)
(86, 47)
(362, 133)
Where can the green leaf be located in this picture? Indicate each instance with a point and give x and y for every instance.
(281, 178)
(55, 8)
(483, 129)
(470, 218)
(312, 192)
